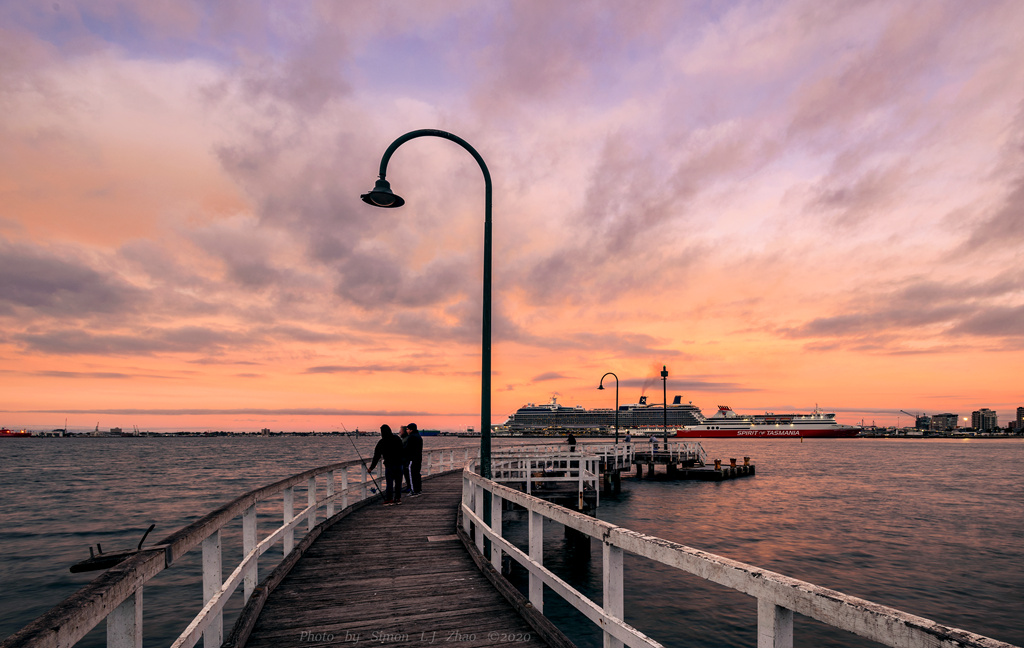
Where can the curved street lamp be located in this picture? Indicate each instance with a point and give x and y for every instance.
(382, 196)
(664, 401)
(601, 386)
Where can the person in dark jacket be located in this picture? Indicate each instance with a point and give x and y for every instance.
(389, 448)
(406, 475)
(414, 455)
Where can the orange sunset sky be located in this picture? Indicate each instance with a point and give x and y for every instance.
(788, 204)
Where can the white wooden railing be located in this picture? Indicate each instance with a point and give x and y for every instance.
(116, 595)
(778, 596)
(676, 452)
(547, 468)
(615, 455)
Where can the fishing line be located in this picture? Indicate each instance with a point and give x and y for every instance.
(361, 460)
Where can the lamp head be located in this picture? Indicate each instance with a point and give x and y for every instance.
(601, 386)
(382, 196)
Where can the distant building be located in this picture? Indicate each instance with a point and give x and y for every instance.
(984, 420)
(1020, 419)
(944, 422)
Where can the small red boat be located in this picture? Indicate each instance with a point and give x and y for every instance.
(4, 432)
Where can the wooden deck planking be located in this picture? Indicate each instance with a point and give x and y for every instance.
(375, 578)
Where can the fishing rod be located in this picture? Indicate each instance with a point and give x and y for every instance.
(361, 460)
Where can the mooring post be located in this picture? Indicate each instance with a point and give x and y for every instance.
(311, 502)
(536, 555)
(467, 501)
(613, 590)
(212, 580)
(289, 508)
(248, 544)
(478, 505)
(496, 527)
(124, 623)
(774, 625)
(329, 494)
(344, 488)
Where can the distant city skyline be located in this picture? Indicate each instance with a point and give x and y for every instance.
(787, 204)
(318, 420)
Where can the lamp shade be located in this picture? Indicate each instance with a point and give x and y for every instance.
(382, 196)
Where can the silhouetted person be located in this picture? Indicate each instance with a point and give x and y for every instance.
(571, 440)
(406, 469)
(389, 448)
(414, 455)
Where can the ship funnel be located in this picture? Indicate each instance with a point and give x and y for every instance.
(678, 400)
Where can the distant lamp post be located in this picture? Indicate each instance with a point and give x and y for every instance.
(382, 196)
(664, 401)
(601, 386)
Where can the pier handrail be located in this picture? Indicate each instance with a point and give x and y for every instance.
(778, 596)
(116, 595)
(560, 465)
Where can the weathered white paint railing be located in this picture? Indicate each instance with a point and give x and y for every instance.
(540, 470)
(116, 595)
(616, 455)
(613, 455)
(676, 452)
(778, 596)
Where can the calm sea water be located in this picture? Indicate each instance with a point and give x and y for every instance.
(932, 527)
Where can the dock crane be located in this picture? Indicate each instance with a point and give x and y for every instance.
(921, 421)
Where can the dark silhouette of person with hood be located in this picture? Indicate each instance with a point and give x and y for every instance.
(389, 448)
(414, 458)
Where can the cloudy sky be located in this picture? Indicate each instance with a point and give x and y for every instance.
(788, 204)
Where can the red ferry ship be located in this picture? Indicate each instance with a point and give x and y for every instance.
(728, 424)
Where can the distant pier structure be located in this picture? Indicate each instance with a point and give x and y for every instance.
(686, 460)
(577, 476)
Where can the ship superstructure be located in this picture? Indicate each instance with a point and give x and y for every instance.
(641, 416)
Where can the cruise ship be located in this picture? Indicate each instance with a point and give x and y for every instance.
(684, 420)
(636, 417)
(728, 424)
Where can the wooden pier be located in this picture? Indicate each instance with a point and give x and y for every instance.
(391, 576)
(426, 572)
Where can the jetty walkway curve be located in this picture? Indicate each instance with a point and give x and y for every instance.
(391, 576)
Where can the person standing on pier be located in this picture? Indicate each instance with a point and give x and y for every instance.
(571, 440)
(406, 474)
(389, 448)
(414, 455)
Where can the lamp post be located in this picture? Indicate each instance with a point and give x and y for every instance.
(601, 386)
(664, 401)
(382, 196)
